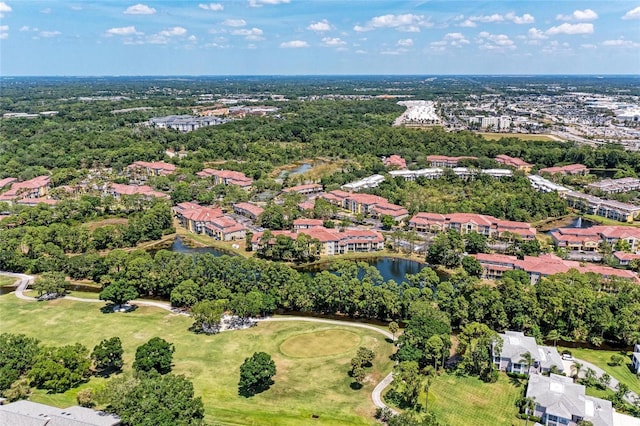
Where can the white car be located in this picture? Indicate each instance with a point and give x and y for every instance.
(567, 357)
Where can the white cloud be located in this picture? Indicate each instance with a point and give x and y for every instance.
(49, 34)
(556, 48)
(450, 39)
(216, 7)
(495, 42)
(260, 3)
(621, 43)
(407, 23)
(496, 18)
(405, 42)
(333, 42)
(524, 19)
(571, 29)
(172, 32)
(252, 34)
(192, 38)
(139, 9)
(588, 46)
(535, 35)
(579, 15)
(632, 14)
(294, 44)
(46, 10)
(235, 23)
(4, 8)
(123, 31)
(320, 26)
(27, 28)
(4, 31)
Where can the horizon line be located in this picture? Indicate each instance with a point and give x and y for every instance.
(314, 75)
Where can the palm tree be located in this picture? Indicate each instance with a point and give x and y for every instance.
(529, 405)
(576, 367)
(555, 336)
(527, 359)
(430, 374)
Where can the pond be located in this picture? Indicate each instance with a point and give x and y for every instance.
(390, 268)
(180, 247)
(305, 167)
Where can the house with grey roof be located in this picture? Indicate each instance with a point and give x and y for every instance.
(635, 358)
(560, 402)
(27, 413)
(515, 344)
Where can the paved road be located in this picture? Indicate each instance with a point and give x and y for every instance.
(376, 396)
(630, 397)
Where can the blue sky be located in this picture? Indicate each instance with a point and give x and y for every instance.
(299, 37)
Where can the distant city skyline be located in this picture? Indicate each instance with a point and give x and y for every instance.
(322, 37)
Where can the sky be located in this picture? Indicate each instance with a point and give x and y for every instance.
(318, 37)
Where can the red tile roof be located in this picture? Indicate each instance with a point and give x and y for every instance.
(164, 168)
(145, 190)
(302, 188)
(251, 208)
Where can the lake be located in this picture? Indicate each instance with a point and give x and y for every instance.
(390, 268)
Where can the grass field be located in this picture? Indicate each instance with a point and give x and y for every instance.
(601, 359)
(462, 400)
(312, 381)
(93, 225)
(606, 221)
(522, 136)
(7, 281)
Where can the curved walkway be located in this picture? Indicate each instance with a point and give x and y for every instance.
(376, 395)
(629, 397)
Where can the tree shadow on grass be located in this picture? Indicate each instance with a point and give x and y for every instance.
(249, 392)
(355, 386)
(516, 381)
(110, 308)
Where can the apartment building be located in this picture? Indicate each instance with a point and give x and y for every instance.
(571, 169)
(616, 210)
(366, 204)
(470, 222)
(210, 221)
(537, 267)
(394, 161)
(516, 163)
(227, 177)
(248, 210)
(117, 190)
(37, 187)
(142, 170)
(445, 161)
(588, 239)
(612, 186)
(332, 242)
(308, 189)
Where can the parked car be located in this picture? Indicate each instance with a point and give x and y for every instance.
(567, 357)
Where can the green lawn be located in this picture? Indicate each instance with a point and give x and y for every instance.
(601, 359)
(307, 383)
(463, 400)
(7, 281)
(521, 136)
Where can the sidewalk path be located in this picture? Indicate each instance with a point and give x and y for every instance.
(629, 397)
